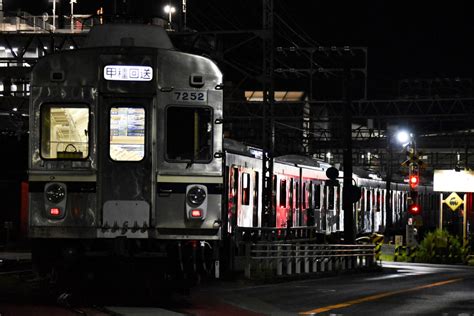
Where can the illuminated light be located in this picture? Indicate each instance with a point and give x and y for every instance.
(169, 9)
(414, 209)
(54, 211)
(15, 109)
(403, 137)
(196, 213)
(128, 73)
(45, 47)
(71, 47)
(414, 181)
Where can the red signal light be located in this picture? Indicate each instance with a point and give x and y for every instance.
(196, 213)
(414, 181)
(414, 209)
(54, 211)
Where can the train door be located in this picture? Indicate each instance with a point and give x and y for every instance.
(125, 165)
(282, 202)
(245, 210)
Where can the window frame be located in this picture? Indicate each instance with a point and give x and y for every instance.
(145, 137)
(165, 142)
(64, 105)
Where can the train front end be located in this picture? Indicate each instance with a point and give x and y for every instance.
(125, 146)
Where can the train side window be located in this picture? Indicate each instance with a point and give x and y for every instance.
(255, 199)
(127, 133)
(298, 195)
(282, 193)
(305, 196)
(317, 196)
(290, 195)
(189, 134)
(245, 189)
(64, 131)
(331, 197)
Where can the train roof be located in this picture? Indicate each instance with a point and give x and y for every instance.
(114, 35)
(302, 161)
(236, 147)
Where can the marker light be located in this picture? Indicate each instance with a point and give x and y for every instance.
(196, 213)
(55, 193)
(196, 196)
(54, 211)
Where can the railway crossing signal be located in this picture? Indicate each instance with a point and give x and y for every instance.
(414, 209)
(414, 180)
(414, 158)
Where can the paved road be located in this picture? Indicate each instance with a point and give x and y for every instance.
(401, 289)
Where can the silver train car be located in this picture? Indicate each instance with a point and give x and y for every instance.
(125, 146)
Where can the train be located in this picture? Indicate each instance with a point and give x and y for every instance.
(127, 159)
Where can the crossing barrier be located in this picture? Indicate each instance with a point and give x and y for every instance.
(377, 240)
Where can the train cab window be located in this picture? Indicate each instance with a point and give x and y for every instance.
(189, 134)
(282, 193)
(245, 189)
(64, 131)
(127, 133)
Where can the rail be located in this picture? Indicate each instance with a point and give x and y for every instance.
(264, 260)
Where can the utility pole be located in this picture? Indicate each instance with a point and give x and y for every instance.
(347, 202)
(267, 106)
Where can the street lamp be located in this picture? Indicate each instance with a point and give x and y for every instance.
(403, 137)
(169, 10)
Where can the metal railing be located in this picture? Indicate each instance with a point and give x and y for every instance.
(277, 234)
(265, 260)
(26, 23)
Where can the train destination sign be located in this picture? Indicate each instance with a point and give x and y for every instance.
(128, 73)
(453, 181)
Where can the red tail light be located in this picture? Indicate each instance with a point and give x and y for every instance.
(196, 213)
(54, 211)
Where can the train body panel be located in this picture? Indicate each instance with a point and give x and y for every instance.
(126, 142)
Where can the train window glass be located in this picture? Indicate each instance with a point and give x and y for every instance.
(189, 134)
(310, 195)
(64, 131)
(282, 193)
(331, 198)
(305, 195)
(127, 133)
(317, 196)
(290, 196)
(245, 189)
(298, 196)
(255, 199)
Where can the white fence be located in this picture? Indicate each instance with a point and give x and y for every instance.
(271, 259)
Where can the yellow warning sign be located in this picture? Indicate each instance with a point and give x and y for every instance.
(453, 201)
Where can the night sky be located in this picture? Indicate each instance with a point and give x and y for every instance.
(406, 39)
